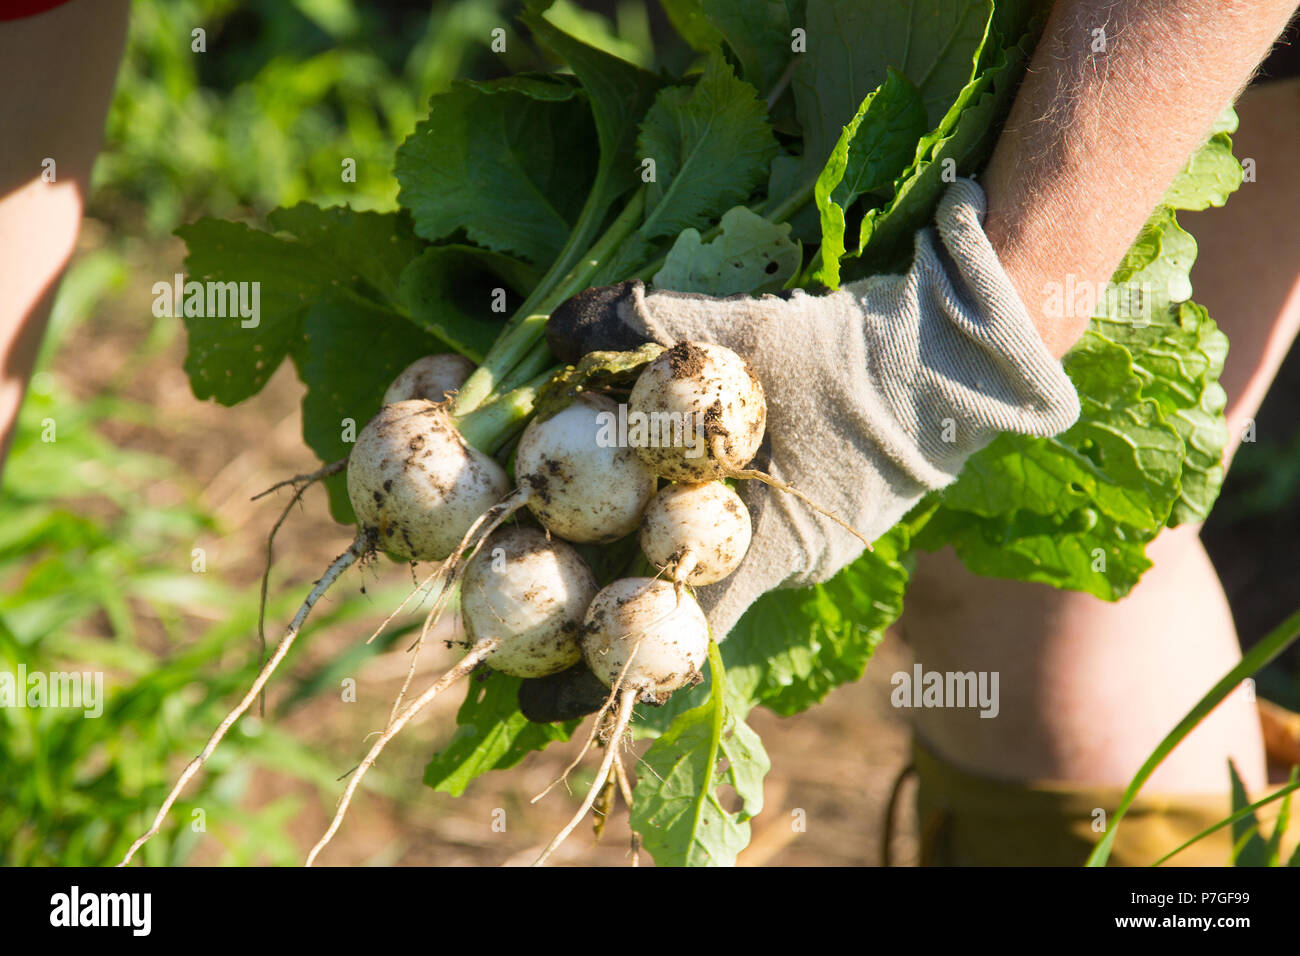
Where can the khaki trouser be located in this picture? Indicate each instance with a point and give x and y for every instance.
(971, 820)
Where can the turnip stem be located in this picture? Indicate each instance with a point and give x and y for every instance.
(627, 698)
(528, 324)
(531, 366)
(791, 204)
(467, 663)
(355, 551)
(513, 344)
(488, 425)
(589, 220)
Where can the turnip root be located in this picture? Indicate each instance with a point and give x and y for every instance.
(462, 669)
(644, 642)
(638, 634)
(524, 599)
(533, 594)
(415, 481)
(433, 377)
(713, 391)
(698, 533)
(578, 486)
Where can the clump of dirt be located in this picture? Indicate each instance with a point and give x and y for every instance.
(686, 360)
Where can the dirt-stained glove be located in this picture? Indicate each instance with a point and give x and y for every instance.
(876, 393)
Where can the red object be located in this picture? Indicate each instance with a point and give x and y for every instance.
(17, 9)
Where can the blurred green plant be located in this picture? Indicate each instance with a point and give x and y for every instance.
(93, 577)
(1258, 657)
(1249, 848)
(286, 92)
(1266, 476)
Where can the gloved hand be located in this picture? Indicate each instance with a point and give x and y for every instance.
(876, 393)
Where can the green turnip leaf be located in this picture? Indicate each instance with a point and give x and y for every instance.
(875, 148)
(448, 290)
(353, 350)
(749, 255)
(508, 164)
(934, 43)
(760, 35)
(491, 734)
(334, 249)
(676, 808)
(955, 147)
(1077, 510)
(711, 145)
(362, 247)
(619, 93)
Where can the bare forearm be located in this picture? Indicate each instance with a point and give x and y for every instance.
(1095, 137)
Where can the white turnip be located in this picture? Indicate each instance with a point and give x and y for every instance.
(644, 642)
(532, 592)
(417, 483)
(579, 485)
(432, 377)
(638, 635)
(524, 598)
(698, 533)
(713, 392)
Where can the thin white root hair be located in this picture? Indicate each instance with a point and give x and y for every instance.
(405, 601)
(627, 698)
(300, 484)
(467, 663)
(414, 651)
(591, 738)
(302, 481)
(454, 566)
(438, 572)
(625, 788)
(355, 552)
(410, 674)
(474, 537)
(624, 785)
(685, 565)
(777, 483)
(595, 726)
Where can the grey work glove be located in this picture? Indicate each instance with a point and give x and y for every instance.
(876, 393)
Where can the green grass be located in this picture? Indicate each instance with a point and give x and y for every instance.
(94, 578)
